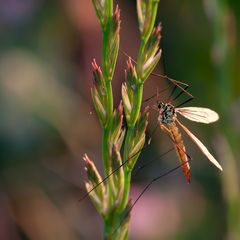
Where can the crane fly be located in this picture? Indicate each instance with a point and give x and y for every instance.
(168, 122)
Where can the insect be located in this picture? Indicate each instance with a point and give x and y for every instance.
(168, 122)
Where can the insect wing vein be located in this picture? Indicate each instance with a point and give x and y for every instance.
(201, 146)
(198, 114)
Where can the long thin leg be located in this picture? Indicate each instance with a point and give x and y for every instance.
(165, 70)
(123, 163)
(155, 95)
(173, 81)
(181, 92)
(183, 103)
(139, 168)
(115, 170)
(172, 92)
(155, 179)
(146, 188)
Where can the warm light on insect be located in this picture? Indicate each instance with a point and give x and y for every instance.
(167, 118)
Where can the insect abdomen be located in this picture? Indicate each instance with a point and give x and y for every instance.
(180, 149)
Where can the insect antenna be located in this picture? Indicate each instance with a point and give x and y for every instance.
(183, 103)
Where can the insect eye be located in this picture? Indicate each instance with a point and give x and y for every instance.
(159, 105)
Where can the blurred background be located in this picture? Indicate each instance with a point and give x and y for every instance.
(48, 122)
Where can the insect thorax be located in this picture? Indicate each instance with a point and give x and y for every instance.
(167, 113)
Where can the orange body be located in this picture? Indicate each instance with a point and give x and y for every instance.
(167, 118)
(180, 149)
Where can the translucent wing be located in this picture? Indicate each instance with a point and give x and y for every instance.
(198, 114)
(200, 145)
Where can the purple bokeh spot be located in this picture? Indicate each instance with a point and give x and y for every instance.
(15, 12)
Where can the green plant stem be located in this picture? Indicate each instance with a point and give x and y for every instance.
(110, 8)
(108, 230)
(136, 106)
(105, 150)
(111, 225)
(109, 220)
(105, 41)
(145, 35)
(127, 185)
(130, 132)
(113, 219)
(109, 107)
(127, 171)
(110, 103)
(136, 110)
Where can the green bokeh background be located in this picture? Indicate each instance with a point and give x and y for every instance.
(47, 120)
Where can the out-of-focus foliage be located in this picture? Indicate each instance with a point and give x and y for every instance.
(47, 121)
